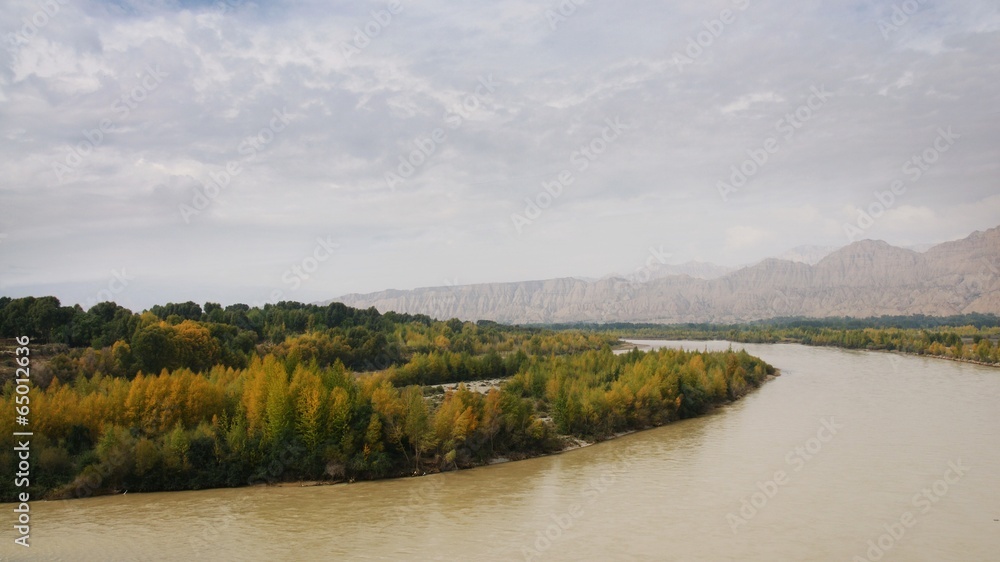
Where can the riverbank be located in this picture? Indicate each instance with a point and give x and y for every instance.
(643, 347)
(571, 443)
(911, 354)
(553, 404)
(896, 352)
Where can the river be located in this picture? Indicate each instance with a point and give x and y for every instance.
(847, 456)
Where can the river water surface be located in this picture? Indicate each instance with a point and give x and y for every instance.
(844, 448)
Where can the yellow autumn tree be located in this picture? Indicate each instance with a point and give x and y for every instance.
(308, 395)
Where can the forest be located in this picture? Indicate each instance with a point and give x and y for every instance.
(187, 397)
(114, 341)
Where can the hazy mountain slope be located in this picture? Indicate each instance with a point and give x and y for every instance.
(696, 269)
(867, 278)
(807, 254)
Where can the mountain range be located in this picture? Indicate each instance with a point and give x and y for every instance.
(866, 278)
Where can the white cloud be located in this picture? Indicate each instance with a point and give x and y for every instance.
(743, 237)
(744, 102)
(353, 119)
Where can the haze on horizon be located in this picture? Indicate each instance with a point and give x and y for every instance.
(202, 150)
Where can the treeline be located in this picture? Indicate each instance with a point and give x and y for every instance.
(281, 419)
(111, 340)
(917, 321)
(45, 320)
(967, 343)
(979, 343)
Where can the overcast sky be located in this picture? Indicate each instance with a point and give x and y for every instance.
(118, 121)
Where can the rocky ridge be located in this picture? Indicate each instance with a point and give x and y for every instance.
(866, 278)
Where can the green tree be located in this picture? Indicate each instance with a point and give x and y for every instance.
(153, 349)
(417, 427)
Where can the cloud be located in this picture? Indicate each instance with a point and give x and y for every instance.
(742, 237)
(355, 116)
(744, 102)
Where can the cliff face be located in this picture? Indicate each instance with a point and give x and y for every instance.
(867, 278)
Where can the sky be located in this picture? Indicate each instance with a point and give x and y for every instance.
(236, 151)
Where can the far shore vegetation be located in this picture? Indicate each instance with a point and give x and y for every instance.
(972, 337)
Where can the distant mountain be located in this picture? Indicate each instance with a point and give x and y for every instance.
(807, 254)
(696, 269)
(867, 278)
